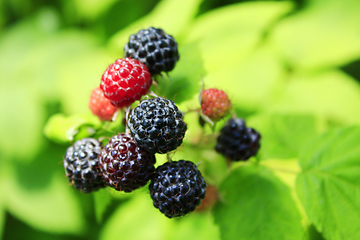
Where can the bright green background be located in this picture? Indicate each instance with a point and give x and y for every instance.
(291, 69)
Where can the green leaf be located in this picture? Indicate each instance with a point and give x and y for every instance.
(92, 9)
(22, 119)
(62, 129)
(185, 79)
(102, 200)
(49, 205)
(136, 219)
(283, 135)
(2, 216)
(256, 205)
(162, 16)
(328, 186)
(332, 22)
(230, 34)
(199, 226)
(139, 219)
(234, 60)
(332, 95)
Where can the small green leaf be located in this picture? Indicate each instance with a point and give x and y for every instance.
(185, 79)
(283, 135)
(62, 129)
(328, 186)
(254, 201)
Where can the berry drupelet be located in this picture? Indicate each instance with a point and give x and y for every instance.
(177, 188)
(153, 47)
(124, 165)
(81, 165)
(237, 142)
(157, 125)
(125, 81)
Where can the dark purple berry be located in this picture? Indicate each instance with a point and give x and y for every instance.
(124, 165)
(237, 142)
(153, 47)
(157, 125)
(177, 188)
(81, 163)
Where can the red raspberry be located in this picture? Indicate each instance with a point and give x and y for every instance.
(101, 106)
(125, 81)
(215, 104)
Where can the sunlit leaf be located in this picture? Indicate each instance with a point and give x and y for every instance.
(331, 94)
(321, 35)
(230, 34)
(329, 183)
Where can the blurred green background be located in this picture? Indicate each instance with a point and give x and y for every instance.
(274, 58)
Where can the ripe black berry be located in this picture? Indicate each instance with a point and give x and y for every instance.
(237, 142)
(81, 165)
(124, 165)
(153, 47)
(177, 188)
(157, 125)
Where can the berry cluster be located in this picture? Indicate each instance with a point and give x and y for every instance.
(155, 126)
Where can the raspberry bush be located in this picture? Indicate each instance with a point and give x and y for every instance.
(281, 163)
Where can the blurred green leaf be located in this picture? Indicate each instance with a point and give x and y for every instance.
(328, 186)
(13, 226)
(331, 94)
(102, 200)
(51, 208)
(321, 35)
(123, 13)
(139, 219)
(185, 79)
(256, 205)
(250, 84)
(228, 35)
(136, 219)
(196, 226)
(2, 216)
(62, 129)
(93, 8)
(283, 135)
(170, 15)
(21, 121)
(313, 234)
